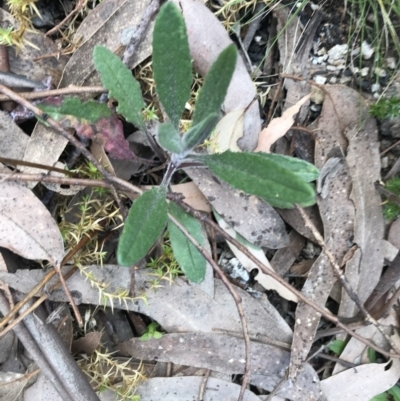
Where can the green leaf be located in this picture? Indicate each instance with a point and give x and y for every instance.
(92, 120)
(371, 355)
(157, 335)
(91, 111)
(199, 133)
(395, 393)
(121, 85)
(380, 397)
(337, 346)
(145, 337)
(189, 258)
(169, 138)
(306, 171)
(257, 175)
(172, 65)
(145, 222)
(216, 83)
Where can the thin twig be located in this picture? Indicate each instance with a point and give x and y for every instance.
(203, 386)
(236, 297)
(78, 6)
(35, 305)
(342, 278)
(324, 312)
(69, 90)
(77, 314)
(137, 36)
(44, 281)
(53, 179)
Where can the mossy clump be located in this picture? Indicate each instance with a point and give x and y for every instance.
(391, 210)
(386, 108)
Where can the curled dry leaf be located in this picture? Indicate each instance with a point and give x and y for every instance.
(13, 140)
(362, 383)
(227, 133)
(278, 127)
(207, 38)
(27, 228)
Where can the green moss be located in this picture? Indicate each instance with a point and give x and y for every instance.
(386, 108)
(391, 211)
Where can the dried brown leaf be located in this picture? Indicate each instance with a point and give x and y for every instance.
(362, 383)
(184, 388)
(87, 344)
(224, 354)
(27, 227)
(193, 196)
(337, 213)
(177, 307)
(278, 127)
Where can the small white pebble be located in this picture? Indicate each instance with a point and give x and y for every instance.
(391, 63)
(384, 162)
(337, 52)
(333, 80)
(319, 79)
(364, 71)
(367, 50)
(344, 80)
(380, 72)
(331, 68)
(375, 87)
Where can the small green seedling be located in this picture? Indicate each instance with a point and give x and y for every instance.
(391, 210)
(151, 332)
(386, 108)
(281, 181)
(337, 346)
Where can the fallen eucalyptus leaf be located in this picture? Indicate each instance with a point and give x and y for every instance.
(278, 127)
(187, 387)
(181, 307)
(27, 227)
(361, 383)
(225, 354)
